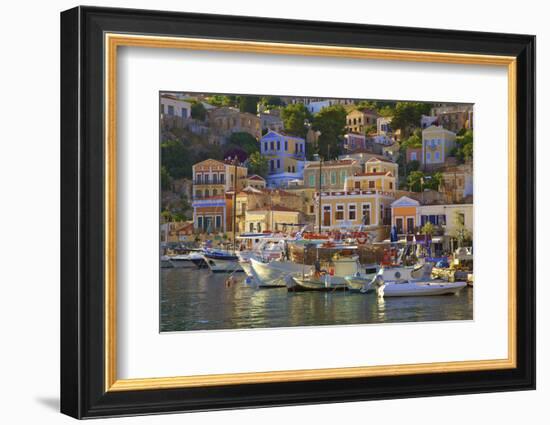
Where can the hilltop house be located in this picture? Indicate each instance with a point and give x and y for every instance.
(437, 143)
(359, 120)
(171, 106)
(286, 157)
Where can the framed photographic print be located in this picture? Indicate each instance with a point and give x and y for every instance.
(261, 212)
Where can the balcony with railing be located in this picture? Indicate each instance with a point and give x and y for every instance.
(203, 182)
(208, 200)
(354, 192)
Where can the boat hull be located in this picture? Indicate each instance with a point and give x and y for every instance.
(361, 283)
(329, 284)
(183, 264)
(275, 273)
(166, 264)
(420, 289)
(217, 265)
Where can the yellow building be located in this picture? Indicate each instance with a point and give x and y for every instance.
(377, 180)
(273, 218)
(253, 199)
(378, 164)
(365, 201)
(358, 120)
(333, 173)
(437, 144)
(212, 180)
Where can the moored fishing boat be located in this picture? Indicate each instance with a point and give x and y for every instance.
(311, 282)
(411, 281)
(419, 288)
(221, 261)
(275, 273)
(343, 272)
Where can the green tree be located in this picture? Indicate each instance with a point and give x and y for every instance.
(461, 233)
(407, 116)
(249, 104)
(272, 102)
(414, 141)
(294, 117)
(221, 100)
(427, 229)
(414, 181)
(331, 122)
(245, 141)
(367, 104)
(165, 178)
(258, 164)
(413, 165)
(166, 216)
(175, 158)
(370, 129)
(198, 111)
(464, 149)
(386, 111)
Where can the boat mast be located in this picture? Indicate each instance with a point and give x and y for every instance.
(320, 188)
(235, 204)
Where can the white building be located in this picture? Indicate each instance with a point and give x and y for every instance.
(383, 125)
(174, 107)
(315, 107)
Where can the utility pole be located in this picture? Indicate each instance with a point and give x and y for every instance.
(235, 204)
(271, 212)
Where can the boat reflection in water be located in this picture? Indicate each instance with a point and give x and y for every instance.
(198, 299)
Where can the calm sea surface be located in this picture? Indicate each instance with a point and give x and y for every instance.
(193, 299)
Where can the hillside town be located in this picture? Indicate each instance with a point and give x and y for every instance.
(234, 165)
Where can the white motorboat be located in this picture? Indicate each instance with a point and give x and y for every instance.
(191, 260)
(275, 273)
(265, 247)
(398, 274)
(221, 261)
(401, 281)
(419, 288)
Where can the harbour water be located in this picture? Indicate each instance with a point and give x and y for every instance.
(193, 300)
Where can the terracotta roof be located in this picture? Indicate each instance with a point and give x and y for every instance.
(248, 190)
(256, 177)
(282, 133)
(369, 111)
(380, 158)
(274, 208)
